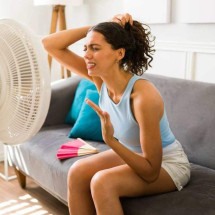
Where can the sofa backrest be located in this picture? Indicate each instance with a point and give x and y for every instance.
(190, 108)
(63, 92)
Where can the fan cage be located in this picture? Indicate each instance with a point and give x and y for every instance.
(24, 83)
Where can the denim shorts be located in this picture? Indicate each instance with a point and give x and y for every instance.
(176, 163)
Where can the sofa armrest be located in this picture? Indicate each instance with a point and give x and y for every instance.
(62, 95)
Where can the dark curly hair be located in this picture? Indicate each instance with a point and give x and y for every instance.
(137, 41)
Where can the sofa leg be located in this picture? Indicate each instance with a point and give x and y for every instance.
(21, 178)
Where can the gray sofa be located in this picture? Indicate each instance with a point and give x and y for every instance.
(191, 110)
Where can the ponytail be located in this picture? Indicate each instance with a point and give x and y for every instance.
(138, 55)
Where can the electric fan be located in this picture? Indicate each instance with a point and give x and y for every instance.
(24, 83)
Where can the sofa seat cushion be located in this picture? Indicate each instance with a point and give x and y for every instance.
(37, 158)
(198, 197)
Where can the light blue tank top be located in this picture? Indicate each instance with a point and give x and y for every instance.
(126, 129)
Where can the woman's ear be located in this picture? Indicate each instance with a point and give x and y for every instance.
(121, 53)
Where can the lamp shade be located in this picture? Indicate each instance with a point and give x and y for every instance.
(50, 2)
(57, 2)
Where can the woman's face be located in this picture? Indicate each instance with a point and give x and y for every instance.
(99, 56)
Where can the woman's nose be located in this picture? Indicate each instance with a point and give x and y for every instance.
(87, 54)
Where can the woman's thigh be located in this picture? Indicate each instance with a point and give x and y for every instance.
(87, 167)
(124, 182)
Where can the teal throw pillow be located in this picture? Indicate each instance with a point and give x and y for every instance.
(79, 97)
(88, 125)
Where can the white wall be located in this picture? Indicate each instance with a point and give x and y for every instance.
(183, 50)
(24, 11)
(170, 35)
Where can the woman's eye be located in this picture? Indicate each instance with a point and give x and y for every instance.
(95, 49)
(90, 48)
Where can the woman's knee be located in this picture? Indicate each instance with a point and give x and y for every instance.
(101, 186)
(77, 172)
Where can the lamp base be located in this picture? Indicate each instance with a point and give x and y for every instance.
(58, 14)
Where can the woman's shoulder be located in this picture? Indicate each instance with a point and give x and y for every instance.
(144, 87)
(145, 94)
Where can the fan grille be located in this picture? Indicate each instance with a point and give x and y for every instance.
(24, 83)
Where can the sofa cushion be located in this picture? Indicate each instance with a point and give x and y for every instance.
(63, 92)
(87, 125)
(80, 95)
(37, 158)
(198, 197)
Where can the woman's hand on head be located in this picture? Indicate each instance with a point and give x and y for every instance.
(122, 19)
(107, 127)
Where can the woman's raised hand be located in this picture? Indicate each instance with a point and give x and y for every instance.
(107, 127)
(122, 19)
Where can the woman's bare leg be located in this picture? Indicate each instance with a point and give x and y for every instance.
(79, 179)
(107, 186)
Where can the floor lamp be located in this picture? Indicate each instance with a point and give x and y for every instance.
(58, 20)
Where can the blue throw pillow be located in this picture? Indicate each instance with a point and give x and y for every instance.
(79, 97)
(88, 125)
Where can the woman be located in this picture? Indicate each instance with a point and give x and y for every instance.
(145, 158)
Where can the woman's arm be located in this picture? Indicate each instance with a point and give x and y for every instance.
(147, 109)
(57, 46)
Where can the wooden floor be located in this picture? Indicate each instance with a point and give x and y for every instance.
(30, 201)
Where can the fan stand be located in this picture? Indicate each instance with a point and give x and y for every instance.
(7, 163)
(58, 13)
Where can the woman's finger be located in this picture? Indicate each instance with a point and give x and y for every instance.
(95, 107)
(106, 117)
(122, 19)
(117, 20)
(129, 18)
